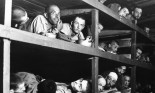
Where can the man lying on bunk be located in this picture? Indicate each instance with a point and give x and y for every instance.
(17, 85)
(20, 19)
(48, 24)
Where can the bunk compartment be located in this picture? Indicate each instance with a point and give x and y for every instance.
(31, 52)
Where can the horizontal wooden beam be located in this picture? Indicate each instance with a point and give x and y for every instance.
(23, 36)
(69, 12)
(150, 18)
(114, 32)
(26, 37)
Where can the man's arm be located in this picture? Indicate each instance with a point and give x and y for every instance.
(39, 25)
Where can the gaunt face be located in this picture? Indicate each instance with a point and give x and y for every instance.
(121, 69)
(79, 85)
(123, 12)
(111, 81)
(138, 53)
(126, 81)
(101, 84)
(114, 46)
(78, 25)
(54, 15)
(137, 13)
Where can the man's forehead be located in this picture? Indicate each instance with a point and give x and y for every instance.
(79, 19)
(138, 9)
(127, 78)
(138, 50)
(114, 43)
(54, 8)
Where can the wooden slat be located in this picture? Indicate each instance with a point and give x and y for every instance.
(6, 48)
(95, 74)
(8, 9)
(133, 79)
(94, 28)
(22, 36)
(69, 12)
(133, 57)
(133, 45)
(114, 32)
(6, 66)
(124, 42)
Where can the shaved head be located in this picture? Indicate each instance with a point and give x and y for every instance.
(51, 8)
(53, 14)
(19, 14)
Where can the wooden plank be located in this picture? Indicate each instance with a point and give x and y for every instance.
(114, 32)
(124, 42)
(133, 57)
(2, 11)
(23, 36)
(69, 12)
(6, 48)
(26, 37)
(94, 28)
(122, 59)
(8, 9)
(143, 44)
(133, 45)
(6, 66)
(95, 74)
(133, 79)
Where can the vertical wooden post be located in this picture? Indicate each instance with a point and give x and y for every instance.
(6, 66)
(8, 9)
(133, 57)
(2, 9)
(94, 27)
(6, 48)
(95, 74)
(95, 60)
(133, 45)
(133, 79)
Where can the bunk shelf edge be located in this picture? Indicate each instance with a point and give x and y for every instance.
(68, 12)
(114, 32)
(124, 60)
(26, 37)
(31, 38)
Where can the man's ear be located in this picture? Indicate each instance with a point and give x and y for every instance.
(11, 91)
(83, 27)
(45, 14)
(71, 22)
(109, 45)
